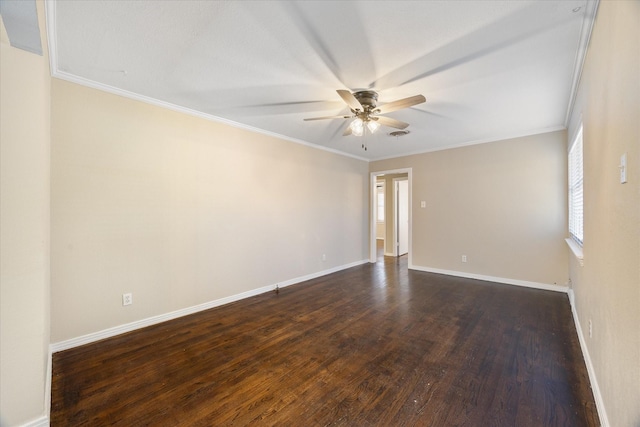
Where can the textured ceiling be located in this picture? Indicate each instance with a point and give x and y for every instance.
(489, 69)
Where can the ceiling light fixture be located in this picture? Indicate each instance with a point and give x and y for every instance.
(373, 125)
(364, 112)
(357, 127)
(358, 124)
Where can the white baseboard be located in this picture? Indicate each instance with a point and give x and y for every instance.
(597, 396)
(319, 274)
(128, 327)
(602, 414)
(47, 385)
(38, 422)
(515, 282)
(85, 339)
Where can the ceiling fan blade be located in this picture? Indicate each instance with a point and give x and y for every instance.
(401, 103)
(351, 100)
(327, 117)
(393, 123)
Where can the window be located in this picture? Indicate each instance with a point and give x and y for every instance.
(380, 198)
(576, 219)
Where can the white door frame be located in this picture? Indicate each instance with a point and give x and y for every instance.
(374, 207)
(396, 219)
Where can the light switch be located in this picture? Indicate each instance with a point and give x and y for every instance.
(623, 168)
(423, 204)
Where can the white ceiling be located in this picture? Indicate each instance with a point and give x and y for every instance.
(490, 70)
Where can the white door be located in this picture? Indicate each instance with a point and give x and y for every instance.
(403, 216)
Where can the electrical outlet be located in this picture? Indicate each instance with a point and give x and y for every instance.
(590, 329)
(127, 299)
(324, 257)
(464, 258)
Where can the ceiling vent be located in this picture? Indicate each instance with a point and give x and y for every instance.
(398, 133)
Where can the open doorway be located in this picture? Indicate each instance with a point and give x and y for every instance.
(394, 225)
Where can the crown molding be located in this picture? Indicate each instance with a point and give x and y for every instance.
(585, 34)
(50, 12)
(180, 109)
(475, 142)
(581, 54)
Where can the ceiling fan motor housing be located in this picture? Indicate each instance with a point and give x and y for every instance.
(367, 98)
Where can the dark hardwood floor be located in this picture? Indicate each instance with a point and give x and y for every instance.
(374, 345)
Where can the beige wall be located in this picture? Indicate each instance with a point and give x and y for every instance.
(503, 204)
(24, 232)
(607, 287)
(174, 208)
(182, 211)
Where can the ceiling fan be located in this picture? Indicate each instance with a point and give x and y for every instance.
(363, 108)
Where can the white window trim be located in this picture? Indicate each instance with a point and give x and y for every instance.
(576, 249)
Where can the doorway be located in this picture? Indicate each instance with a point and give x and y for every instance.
(397, 216)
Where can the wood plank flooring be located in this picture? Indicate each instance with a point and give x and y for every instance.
(375, 345)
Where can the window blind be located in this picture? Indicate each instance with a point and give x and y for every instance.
(576, 211)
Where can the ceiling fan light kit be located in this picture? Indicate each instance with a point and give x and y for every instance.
(357, 127)
(363, 105)
(373, 125)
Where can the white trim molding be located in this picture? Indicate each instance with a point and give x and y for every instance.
(50, 11)
(462, 144)
(597, 395)
(576, 249)
(128, 327)
(373, 207)
(515, 282)
(583, 43)
(47, 385)
(38, 422)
